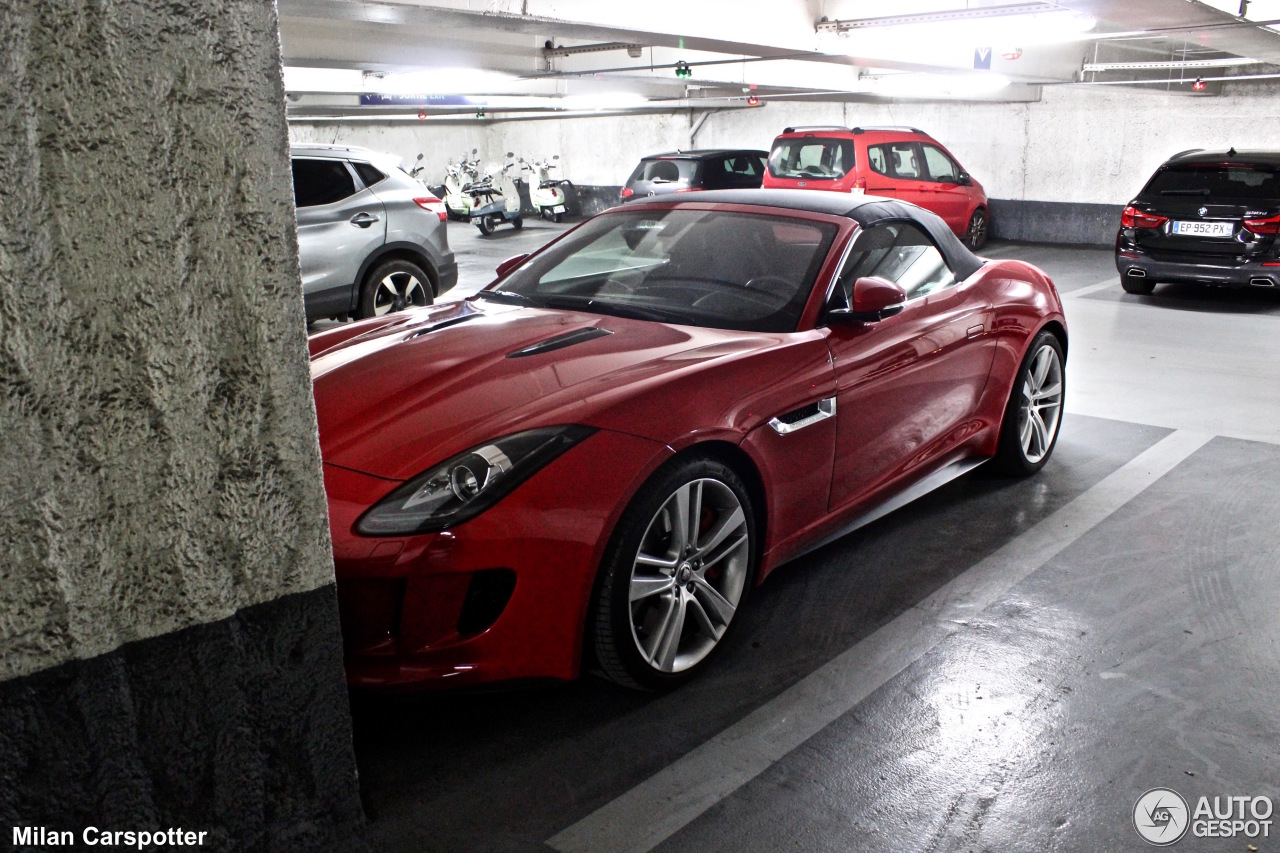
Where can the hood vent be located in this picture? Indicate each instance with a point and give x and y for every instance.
(461, 317)
(568, 339)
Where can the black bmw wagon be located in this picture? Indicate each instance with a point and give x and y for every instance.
(1207, 217)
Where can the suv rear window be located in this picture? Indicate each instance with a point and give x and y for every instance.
(662, 170)
(1215, 180)
(811, 157)
(320, 182)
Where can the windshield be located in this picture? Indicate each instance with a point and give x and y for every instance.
(747, 272)
(810, 157)
(1215, 180)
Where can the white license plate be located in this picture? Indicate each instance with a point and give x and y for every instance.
(1203, 229)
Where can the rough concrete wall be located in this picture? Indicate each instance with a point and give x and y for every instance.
(159, 466)
(592, 150)
(1077, 144)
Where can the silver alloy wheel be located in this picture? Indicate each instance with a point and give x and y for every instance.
(977, 230)
(688, 575)
(1041, 410)
(397, 291)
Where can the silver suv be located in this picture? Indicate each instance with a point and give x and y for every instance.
(371, 238)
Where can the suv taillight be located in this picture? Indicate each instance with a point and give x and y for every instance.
(859, 185)
(431, 204)
(1134, 218)
(1268, 227)
(627, 192)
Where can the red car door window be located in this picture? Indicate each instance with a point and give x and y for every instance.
(905, 384)
(900, 172)
(951, 199)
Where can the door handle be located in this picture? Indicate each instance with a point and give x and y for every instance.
(363, 220)
(975, 331)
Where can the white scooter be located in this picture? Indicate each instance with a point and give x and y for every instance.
(546, 194)
(458, 180)
(496, 199)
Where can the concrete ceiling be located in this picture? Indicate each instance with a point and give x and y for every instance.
(440, 58)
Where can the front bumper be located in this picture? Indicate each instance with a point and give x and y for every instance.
(447, 270)
(500, 597)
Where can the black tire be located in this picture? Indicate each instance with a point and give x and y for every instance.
(1013, 457)
(517, 223)
(559, 217)
(485, 224)
(414, 287)
(614, 637)
(1137, 286)
(975, 236)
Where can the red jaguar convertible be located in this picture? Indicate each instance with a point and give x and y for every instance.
(592, 462)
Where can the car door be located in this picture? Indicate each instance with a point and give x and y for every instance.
(340, 223)
(897, 171)
(907, 386)
(950, 198)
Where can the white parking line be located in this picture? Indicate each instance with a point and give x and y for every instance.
(1093, 288)
(662, 805)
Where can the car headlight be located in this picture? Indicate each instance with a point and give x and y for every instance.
(462, 487)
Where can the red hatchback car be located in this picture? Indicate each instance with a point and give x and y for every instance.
(594, 460)
(895, 162)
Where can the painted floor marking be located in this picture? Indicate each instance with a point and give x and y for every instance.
(1093, 288)
(674, 797)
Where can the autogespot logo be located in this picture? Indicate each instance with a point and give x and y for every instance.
(1160, 816)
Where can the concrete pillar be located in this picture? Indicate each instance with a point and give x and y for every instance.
(169, 646)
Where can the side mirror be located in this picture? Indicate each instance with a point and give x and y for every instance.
(511, 263)
(511, 153)
(419, 155)
(555, 156)
(873, 299)
(963, 179)
(475, 151)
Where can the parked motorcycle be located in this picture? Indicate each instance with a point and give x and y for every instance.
(546, 194)
(496, 199)
(458, 180)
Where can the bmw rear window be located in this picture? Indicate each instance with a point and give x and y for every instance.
(663, 169)
(1215, 180)
(811, 158)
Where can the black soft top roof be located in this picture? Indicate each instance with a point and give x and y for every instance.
(866, 210)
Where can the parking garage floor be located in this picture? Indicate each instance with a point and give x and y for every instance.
(1003, 665)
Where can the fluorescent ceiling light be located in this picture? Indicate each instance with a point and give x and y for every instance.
(937, 85)
(341, 80)
(603, 101)
(953, 42)
(436, 81)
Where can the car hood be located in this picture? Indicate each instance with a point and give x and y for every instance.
(396, 399)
